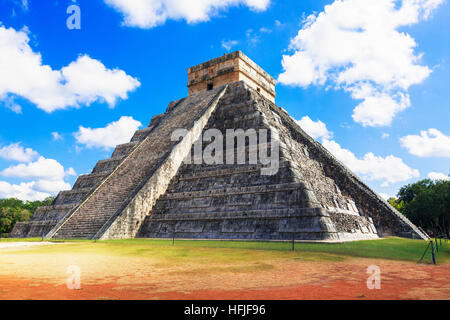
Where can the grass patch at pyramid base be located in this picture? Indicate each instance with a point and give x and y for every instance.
(388, 248)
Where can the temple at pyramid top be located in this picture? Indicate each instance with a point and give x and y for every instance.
(230, 68)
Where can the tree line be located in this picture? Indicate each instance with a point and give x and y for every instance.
(427, 204)
(14, 210)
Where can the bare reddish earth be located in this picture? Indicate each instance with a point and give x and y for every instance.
(285, 280)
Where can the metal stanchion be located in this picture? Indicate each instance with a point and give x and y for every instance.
(433, 259)
(293, 242)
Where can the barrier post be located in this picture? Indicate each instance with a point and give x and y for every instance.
(432, 253)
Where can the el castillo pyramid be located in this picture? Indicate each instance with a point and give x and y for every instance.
(149, 189)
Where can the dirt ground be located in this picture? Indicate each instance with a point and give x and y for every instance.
(38, 276)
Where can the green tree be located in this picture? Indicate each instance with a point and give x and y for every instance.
(427, 204)
(397, 204)
(14, 210)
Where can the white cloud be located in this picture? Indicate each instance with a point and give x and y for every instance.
(11, 104)
(43, 177)
(430, 143)
(82, 82)
(23, 191)
(385, 135)
(89, 80)
(387, 170)
(56, 136)
(152, 13)
(16, 152)
(316, 129)
(229, 44)
(380, 109)
(52, 186)
(115, 133)
(439, 176)
(41, 169)
(357, 46)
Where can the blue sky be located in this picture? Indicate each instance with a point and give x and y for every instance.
(368, 81)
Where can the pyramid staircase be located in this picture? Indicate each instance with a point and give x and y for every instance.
(89, 209)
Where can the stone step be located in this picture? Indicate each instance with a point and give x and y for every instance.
(141, 134)
(107, 165)
(123, 150)
(90, 180)
(208, 181)
(89, 220)
(256, 223)
(234, 191)
(81, 237)
(213, 209)
(72, 196)
(83, 226)
(52, 212)
(195, 172)
(155, 121)
(81, 229)
(243, 152)
(33, 229)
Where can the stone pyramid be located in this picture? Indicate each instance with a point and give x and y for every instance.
(149, 188)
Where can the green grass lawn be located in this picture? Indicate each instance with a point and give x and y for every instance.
(20, 240)
(389, 248)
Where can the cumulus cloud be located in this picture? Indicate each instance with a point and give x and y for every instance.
(430, 143)
(51, 186)
(42, 169)
(82, 82)
(439, 176)
(23, 191)
(152, 13)
(115, 133)
(357, 46)
(43, 178)
(18, 153)
(370, 167)
(316, 129)
(387, 170)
